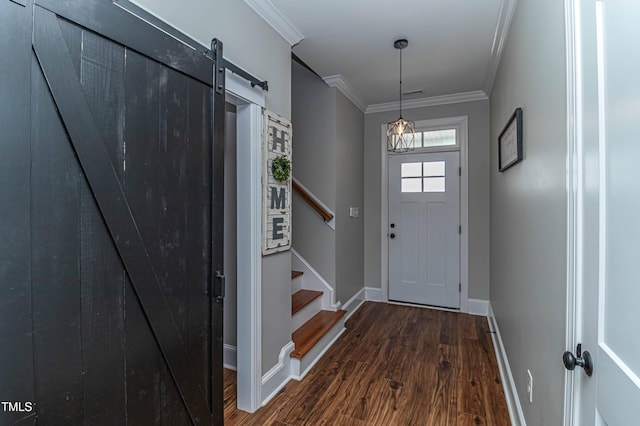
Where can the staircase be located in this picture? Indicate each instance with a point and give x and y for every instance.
(314, 327)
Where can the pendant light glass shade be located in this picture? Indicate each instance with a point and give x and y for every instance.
(401, 132)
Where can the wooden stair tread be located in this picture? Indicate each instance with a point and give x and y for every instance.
(312, 331)
(302, 298)
(296, 274)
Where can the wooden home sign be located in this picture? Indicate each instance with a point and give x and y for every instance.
(276, 183)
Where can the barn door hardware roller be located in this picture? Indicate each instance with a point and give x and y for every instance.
(214, 53)
(222, 64)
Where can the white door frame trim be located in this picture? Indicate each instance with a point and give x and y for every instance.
(574, 199)
(249, 103)
(461, 124)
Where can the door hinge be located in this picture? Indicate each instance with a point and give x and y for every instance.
(459, 287)
(459, 171)
(460, 229)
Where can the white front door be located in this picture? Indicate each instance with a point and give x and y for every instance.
(424, 220)
(608, 208)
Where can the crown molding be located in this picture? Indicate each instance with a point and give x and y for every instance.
(339, 83)
(505, 16)
(455, 98)
(272, 16)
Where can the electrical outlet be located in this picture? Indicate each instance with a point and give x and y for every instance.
(530, 386)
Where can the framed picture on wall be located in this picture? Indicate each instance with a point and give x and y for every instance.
(510, 142)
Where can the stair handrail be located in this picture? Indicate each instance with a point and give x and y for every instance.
(312, 200)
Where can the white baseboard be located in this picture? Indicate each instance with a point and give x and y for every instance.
(373, 294)
(474, 306)
(229, 357)
(354, 303)
(478, 307)
(275, 379)
(510, 391)
(289, 368)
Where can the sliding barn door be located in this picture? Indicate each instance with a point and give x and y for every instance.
(111, 231)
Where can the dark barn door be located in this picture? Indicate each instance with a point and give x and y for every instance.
(111, 219)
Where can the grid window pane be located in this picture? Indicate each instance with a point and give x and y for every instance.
(433, 184)
(439, 138)
(433, 168)
(411, 170)
(412, 185)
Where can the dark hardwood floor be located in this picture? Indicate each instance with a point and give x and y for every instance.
(395, 365)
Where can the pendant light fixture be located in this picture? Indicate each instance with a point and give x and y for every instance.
(400, 133)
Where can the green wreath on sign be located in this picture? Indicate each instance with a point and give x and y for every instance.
(281, 168)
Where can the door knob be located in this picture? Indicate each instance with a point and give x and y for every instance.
(583, 360)
(393, 225)
(392, 235)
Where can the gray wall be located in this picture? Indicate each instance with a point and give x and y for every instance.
(529, 208)
(478, 114)
(314, 127)
(328, 160)
(276, 307)
(349, 193)
(252, 44)
(314, 165)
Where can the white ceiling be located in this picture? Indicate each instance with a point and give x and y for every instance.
(451, 43)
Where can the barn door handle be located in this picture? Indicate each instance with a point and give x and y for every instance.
(222, 287)
(580, 359)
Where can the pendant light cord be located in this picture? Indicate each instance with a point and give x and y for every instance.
(401, 83)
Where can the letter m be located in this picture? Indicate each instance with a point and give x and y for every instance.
(278, 201)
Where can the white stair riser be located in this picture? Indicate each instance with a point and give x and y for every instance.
(300, 367)
(305, 314)
(296, 284)
(313, 281)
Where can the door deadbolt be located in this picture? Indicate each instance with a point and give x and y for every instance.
(583, 360)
